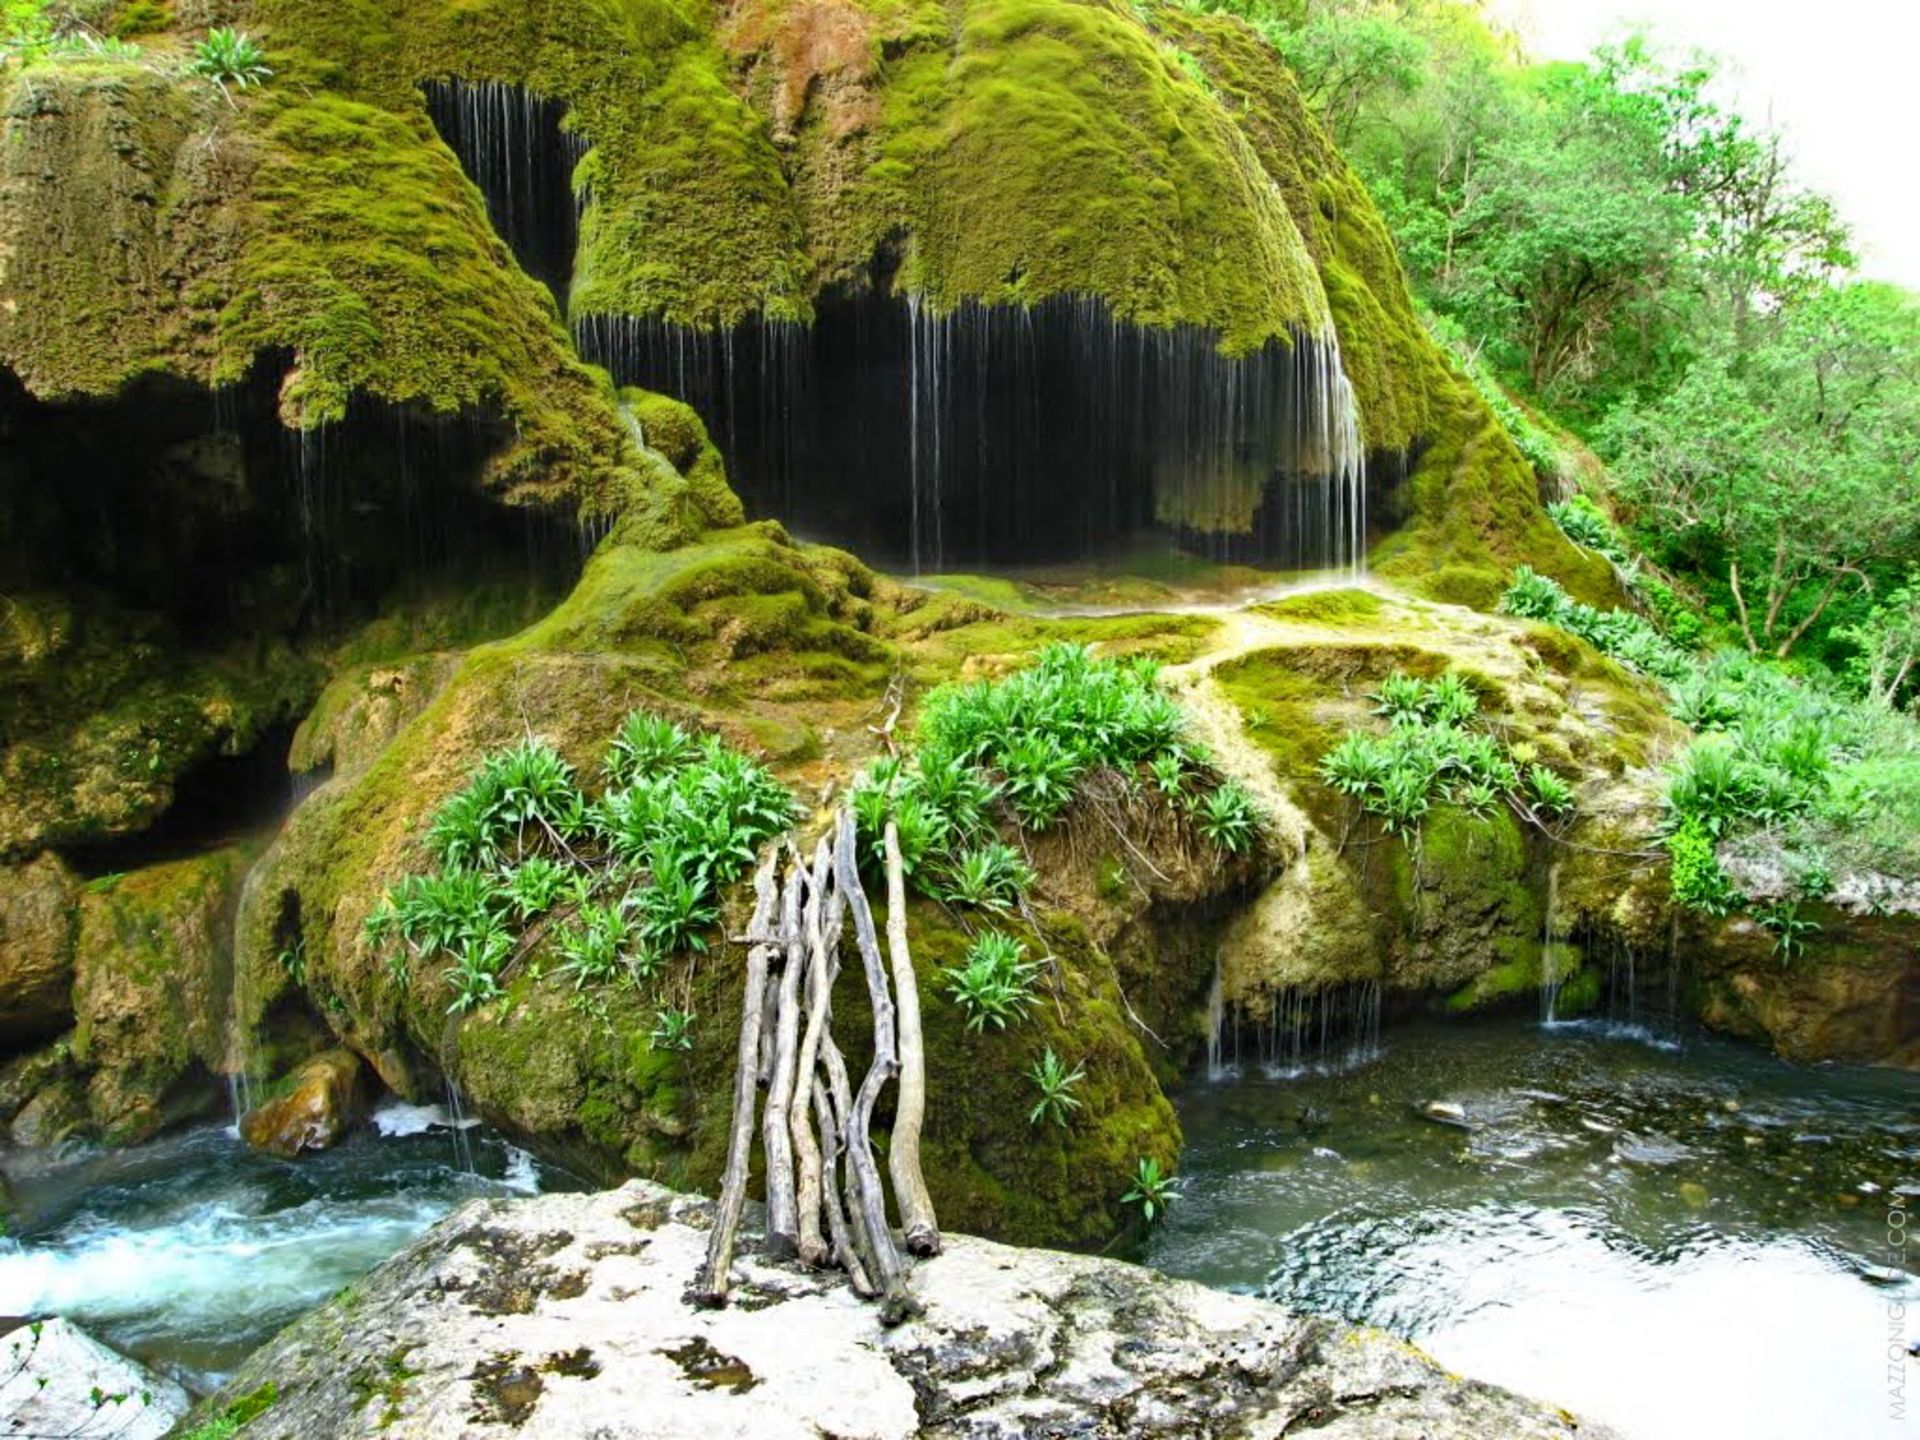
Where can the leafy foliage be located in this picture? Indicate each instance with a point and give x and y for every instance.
(230, 57)
(1153, 1189)
(997, 757)
(612, 888)
(1619, 633)
(672, 1030)
(995, 984)
(1429, 756)
(1056, 1085)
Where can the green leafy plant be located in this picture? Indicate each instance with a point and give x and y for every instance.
(1548, 791)
(995, 983)
(593, 948)
(648, 745)
(1789, 928)
(229, 57)
(1153, 1189)
(672, 1030)
(537, 884)
(992, 877)
(1229, 818)
(1056, 1085)
(1585, 523)
(475, 971)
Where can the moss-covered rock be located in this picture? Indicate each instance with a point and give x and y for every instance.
(150, 991)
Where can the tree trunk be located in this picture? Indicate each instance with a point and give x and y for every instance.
(903, 1151)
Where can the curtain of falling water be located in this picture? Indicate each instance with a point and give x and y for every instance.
(514, 145)
(1008, 434)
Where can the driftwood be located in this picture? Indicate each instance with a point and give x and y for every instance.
(776, 1140)
(903, 1150)
(825, 1199)
(710, 1286)
(816, 993)
(865, 1195)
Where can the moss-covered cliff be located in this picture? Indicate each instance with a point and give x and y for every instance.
(733, 166)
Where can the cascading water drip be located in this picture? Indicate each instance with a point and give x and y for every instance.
(1300, 1031)
(1009, 435)
(515, 146)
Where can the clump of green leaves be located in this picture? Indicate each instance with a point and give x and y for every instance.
(1428, 756)
(1153, 1189)
(613, 887)
(672, 1030)
(1016, 753)
(1585, 523)
(995, 983)
(1620, 633)
(990, 877)
(230, 57)
(1056, 1085)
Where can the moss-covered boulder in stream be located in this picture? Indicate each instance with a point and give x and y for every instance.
(150, 991)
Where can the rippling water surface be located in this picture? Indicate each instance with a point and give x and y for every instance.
(1682, 1241)
(191, 1251)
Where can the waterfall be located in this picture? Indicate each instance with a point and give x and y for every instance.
(990, 435)
(460, 1124)
(1216, 1023)
(241, 1060)
(1549, 961)
(1302, 1030)
(514, 145)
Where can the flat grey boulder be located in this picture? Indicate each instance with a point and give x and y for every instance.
(57, 1380)
(566, 1316)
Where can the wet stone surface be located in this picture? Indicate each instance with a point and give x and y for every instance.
(585, 1334)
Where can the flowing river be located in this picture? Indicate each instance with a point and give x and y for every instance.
(1676, 1240)
(190, 1252)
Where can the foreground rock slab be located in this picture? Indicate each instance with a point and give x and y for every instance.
(57, 1380)
(566, 1316)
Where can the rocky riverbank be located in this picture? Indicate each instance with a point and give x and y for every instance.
(567, 1316)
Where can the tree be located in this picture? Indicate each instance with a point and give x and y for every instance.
(1567, 233)
(1887, 642)
(1795, 464)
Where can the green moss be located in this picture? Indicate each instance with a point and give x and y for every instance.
(687, 215)
(1326, 607)
(105, 710)
(150, 966)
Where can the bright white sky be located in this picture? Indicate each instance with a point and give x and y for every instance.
(1836, 75)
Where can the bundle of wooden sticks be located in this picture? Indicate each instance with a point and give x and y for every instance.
(824, 1199)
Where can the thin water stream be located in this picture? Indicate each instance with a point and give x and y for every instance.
(1678, 1240)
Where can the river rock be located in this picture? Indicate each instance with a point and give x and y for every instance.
(321, 1104)
(567, 1316)
(59, 1380)
(1445, 1112)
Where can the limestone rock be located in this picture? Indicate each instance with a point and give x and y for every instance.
(566, 1316)
(154, 953)
(61, 1381)
(36, 949)
(321, 1105)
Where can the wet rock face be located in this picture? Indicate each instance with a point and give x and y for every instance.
(149, 991)
(1012, 1343)
(36, 950)
(323, 1101)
